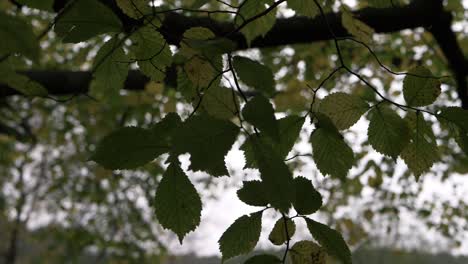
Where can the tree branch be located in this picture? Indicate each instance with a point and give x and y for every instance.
(420, 13)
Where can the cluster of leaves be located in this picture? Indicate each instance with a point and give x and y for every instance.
(221, 113)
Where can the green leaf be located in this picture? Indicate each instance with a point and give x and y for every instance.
(455, 115)
(17, 37)
(86, 19)
(263, 259)
(330, 239)
(275, 174)
(289, 129)
(343, 109)
(307, 252)
(135, 8)
(331, 153)
(242, 236)
(152, 53)
(420, 88)
(254, 74)
(388, 133)
(360, 30)
(422, 151)
(253, 193)
(129, 148)
(308, 200)
(220, 102)
(208, 140)
(110, 70)
(278, 234)
(306, 8)
(45, 5)
(259, 112)
(203, 65)
(20, 82)
(259, 26)
(177, 203)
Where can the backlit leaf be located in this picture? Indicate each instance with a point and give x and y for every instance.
(17, 37)
(86, 19)
(135, 8)
(343, 109)
(152, 53)
(420, 88)
(308, 200)
(254, 74)
(259, 112)
(306, 8)
(220, 102)
(263, 259)
(360, 30)
(330, 239)
(388, 133)
(177, 203)
(253, 193)
(279, 235)
(307, 252)
(259, 26)
(208, 140)
(242, 236)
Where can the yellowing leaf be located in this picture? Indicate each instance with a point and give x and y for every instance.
(420, 88)
(200, 72)
(304, 252)
(279, 234)
(343, 109)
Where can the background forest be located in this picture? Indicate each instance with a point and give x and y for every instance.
(127, 125)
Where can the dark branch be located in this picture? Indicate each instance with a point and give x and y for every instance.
(420, 13)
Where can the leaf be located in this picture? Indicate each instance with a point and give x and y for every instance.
(422, 151)
(306, 8)
(343, 109)
(220, 102)
(259, 112)
(263, 259)
(202, 65)
(278, 234)
(360, 30)
(455, 115)
(275, 174)
(330, 240)
(289, 129)
(135, 8)
(86, 19)
(254, 74)
(128, 148)
(17, 37)
(152, 53)
(242, 236)
(20, 82)
(177, 203)
(308, 200)
(208, 140)
(330, 152)
(420, 88)
(200, 72)
(45, 5)
(307, 252)
(253, 193)
(259, 26)
(388, 133)
(110, 70)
